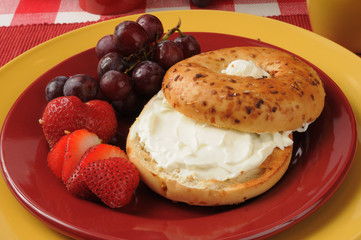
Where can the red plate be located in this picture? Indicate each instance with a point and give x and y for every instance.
(322, 157)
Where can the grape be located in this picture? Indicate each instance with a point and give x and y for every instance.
(152, 26)
(201, 3)
(130, 37)
(111, 61)
(55, 87)
(167, 53)
(82, 86)
(129, 106)
(101, 96)
(115, 85)
(105, 45)
(189, 45)
(147, 78)
(120, 137)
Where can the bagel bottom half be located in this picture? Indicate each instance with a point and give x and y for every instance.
(208, 192)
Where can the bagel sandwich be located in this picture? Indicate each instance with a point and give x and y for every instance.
(220, 130)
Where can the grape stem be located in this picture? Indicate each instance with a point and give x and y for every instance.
(180, 32)
(144, 54)
(172, 30)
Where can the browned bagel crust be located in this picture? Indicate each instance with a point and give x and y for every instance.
(292, 96)
(209, 192)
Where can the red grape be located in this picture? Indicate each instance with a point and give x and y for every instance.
(129, 106)
(147, 78)
(167, 53)
(130, 37)
(101, 96)
(111, 61)
(152, 25)
(105, 45)
(55, 87)
(82, 86)
(189, 45)
(115, 85)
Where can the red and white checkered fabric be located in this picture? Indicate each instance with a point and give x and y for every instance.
(18, 12)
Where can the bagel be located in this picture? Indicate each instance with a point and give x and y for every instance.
(292, 96)
(173, 142)
(209, 192)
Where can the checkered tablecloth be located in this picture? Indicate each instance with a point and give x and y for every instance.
(22, 12)
(27, 23)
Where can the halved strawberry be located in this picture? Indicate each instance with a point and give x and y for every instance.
(77, 186)
(56, 156)
(79, 141)
(75, 183)
(113, 180)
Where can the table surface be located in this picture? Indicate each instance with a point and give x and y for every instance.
(18, 12)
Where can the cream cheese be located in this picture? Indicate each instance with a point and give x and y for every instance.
(190, 148)
(245, 68)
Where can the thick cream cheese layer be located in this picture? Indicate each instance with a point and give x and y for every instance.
(191, 148)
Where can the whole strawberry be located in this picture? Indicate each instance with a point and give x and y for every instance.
(60, 115)
(112, 180)
(101, 119)
(67, 114)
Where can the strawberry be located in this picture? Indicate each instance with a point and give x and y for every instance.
(78, 143)
(62, 114)
(75, 183)
(77, 186)
(112, 180)
(102, 119)
(69, 113)
(56, 156)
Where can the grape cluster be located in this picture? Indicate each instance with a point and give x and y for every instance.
(131, 67)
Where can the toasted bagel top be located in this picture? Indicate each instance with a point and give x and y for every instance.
(292, 96)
